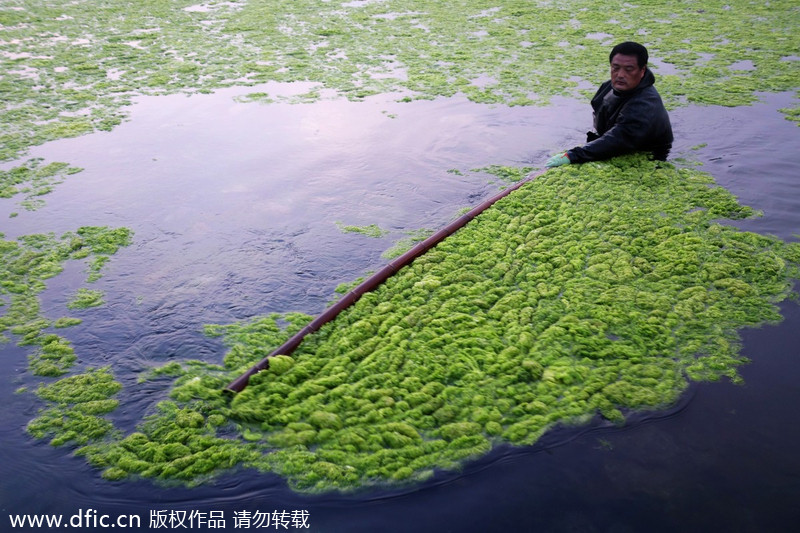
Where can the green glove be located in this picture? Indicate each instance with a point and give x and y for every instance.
(558, 160)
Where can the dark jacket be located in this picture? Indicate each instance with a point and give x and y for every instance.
(627, 122)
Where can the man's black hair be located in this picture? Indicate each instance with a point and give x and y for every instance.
(630, 48)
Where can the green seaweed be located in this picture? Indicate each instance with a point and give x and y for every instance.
(33, 180)
(66, 322)
(792, 114)
(98, 56)
(556, 309)
(594, 290)
(505, 173)
(344, 288)
(406, 243)
(176, 444)
(54, 356)
(77, 404)
(370, 231)
(173, 369)
(85, 298)
(25, 266)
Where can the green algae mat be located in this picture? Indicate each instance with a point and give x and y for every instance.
(69, 68)
(594, 290)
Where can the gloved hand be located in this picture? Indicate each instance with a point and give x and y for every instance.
(557, 160)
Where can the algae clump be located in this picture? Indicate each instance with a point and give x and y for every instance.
(555, 308)
(33, 180)
(596, 289)
(373, 230)
(77, 405)
(25, 266)
(85, 298)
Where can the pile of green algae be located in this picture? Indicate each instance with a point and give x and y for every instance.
(595, 289)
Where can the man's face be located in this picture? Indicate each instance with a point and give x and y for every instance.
(625, 72)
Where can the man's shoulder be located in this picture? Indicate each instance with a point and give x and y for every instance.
(599, 96)
(648, 95)
(604, 88)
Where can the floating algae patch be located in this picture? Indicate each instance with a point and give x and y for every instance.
(373, 230)
(70, 68)
(77, 404)
(25, 266)
(85, 298)
(600, 288)
(188, 436)
(54, 355)
(405, 244)
(792, 114)
(66, 322)
(176, 443)
(505, 173)
(33, 180)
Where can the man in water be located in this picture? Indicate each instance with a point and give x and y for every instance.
(629, 115)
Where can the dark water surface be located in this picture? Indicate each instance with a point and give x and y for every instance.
(234, 208)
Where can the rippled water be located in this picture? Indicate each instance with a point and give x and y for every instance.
(234, 208)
